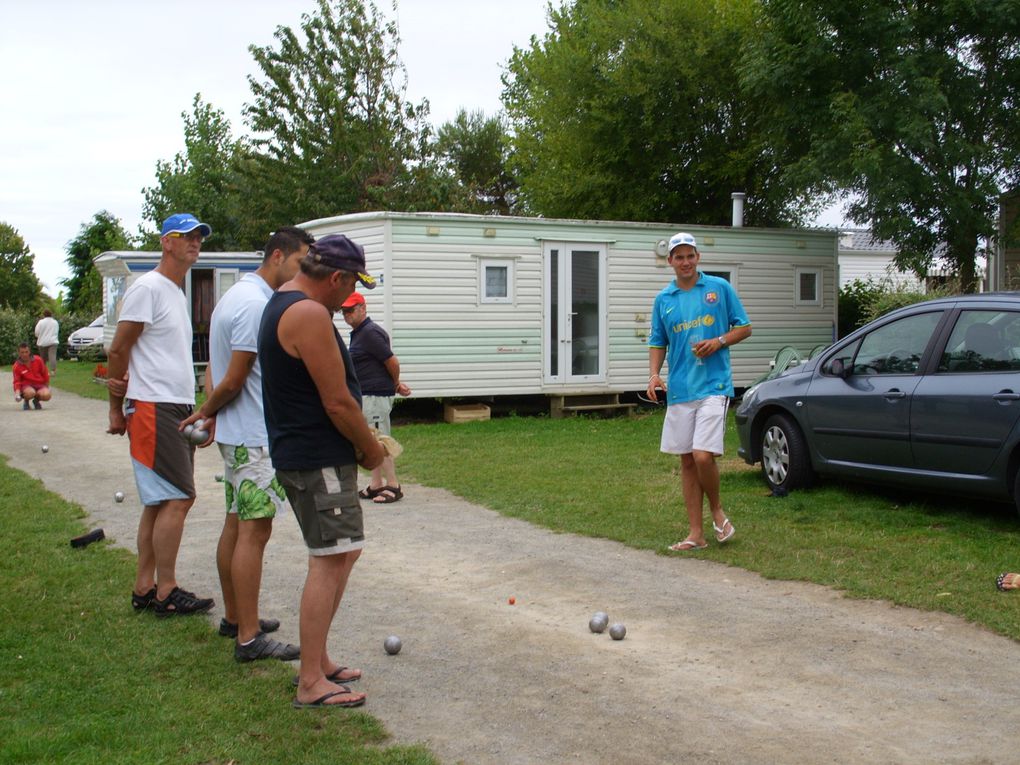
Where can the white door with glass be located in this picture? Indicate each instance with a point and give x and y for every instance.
(575, 312)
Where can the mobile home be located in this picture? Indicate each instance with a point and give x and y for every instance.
(485, 306)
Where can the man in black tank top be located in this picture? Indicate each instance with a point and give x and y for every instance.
(317, 438)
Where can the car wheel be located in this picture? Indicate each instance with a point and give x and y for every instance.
(785, 464)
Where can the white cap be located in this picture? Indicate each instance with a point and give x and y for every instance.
(682, 238)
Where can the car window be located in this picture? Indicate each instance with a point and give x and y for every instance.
(983, 341)
(97, 323)
(896, 348)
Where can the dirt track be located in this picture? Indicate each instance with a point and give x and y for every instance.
(718, 666)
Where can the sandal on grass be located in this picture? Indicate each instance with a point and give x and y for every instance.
(687, 546)
(387, 494)
(725, 532)
(1008, 582)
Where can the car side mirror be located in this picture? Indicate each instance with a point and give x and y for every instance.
(839, 368)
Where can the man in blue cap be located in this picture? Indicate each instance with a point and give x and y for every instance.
(151, 350)
(695, 320)
(317, 438)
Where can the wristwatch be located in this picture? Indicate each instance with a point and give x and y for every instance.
(722, 340)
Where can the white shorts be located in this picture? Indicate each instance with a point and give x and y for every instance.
(695, 425)
(377, 411)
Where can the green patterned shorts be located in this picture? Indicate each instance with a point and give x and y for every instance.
(249, 480)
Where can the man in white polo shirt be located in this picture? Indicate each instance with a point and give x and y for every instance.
(235, 415)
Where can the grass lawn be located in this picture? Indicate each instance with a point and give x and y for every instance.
(85, 680)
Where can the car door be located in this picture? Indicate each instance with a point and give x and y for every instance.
(861, 421)
(963, 411)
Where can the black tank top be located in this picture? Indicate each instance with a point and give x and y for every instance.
(301, 435)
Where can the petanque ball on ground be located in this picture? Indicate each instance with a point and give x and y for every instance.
(617, 631)
(392, 645)
(598, 625)
(118, 496)
(219, 477)
(45, 449)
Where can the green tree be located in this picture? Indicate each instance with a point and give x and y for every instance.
(911, 107)
(204, 180)
(476, 150)
(19, 287)
(332, 131)
(630, 110)
(84, 286)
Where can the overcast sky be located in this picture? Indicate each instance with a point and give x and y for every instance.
(93, 91)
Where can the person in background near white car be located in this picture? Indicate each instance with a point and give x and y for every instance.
(694, 320)
(47, 330)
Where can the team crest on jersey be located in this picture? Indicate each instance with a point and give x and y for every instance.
(711, 297)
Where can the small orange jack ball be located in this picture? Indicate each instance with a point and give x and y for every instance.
(512, 600)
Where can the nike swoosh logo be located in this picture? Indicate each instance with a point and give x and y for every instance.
(669, 309)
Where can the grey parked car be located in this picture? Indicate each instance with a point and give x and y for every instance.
(927, 396)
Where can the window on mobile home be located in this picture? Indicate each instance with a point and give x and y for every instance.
(808, 286)
(496, 280)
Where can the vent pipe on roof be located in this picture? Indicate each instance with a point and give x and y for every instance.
(738, 198)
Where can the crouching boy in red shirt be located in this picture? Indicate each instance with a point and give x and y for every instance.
(31, 379)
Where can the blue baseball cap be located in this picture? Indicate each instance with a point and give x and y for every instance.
(183, 223)
(681, 238)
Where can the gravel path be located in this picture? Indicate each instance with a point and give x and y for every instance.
(718, 666)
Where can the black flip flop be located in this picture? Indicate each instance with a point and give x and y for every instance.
(319, 703)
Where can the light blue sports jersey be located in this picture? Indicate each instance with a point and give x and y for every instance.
(235, 327)
(679, 317)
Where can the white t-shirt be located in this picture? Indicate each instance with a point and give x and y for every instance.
(162, 369)
(235, 327)
(46, 330)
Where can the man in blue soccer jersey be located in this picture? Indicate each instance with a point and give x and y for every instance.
(694, 321)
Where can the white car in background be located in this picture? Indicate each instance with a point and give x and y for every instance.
(86, 337)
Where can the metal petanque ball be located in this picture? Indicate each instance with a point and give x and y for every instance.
(219, 477)
(598, 622)
(45, 449)
(199, 436)
(392, 645)
(118, 496)
(188, 429)
(617, 631)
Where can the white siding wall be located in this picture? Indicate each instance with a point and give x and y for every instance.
(878, 267)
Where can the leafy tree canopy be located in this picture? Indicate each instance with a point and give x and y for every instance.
(913, 107)
(204, 180)
(84, 286)
(475, 148)
(333, 133)
(19, 287)
(630, 110)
